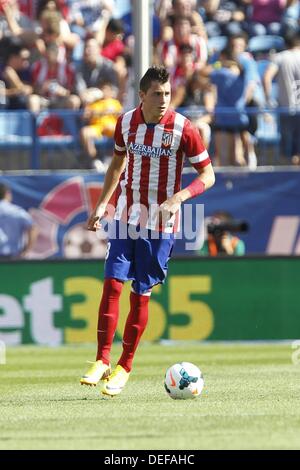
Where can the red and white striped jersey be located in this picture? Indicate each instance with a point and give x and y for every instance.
(170, 52)
(155, 157)
(63, 73)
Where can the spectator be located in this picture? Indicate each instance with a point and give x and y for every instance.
(237, 49)
(16, 77)
(183, 71)
(223, 17)
(220, 239)
(291, 15)
(181, 9)
(94, 69)
(231, 83)
(266, 16)
(14, 23)
(32, 8)
(87, 16)
(254, 96)
(113, 46)
(17, 233)
(54, 82)
(54, 28)
(192, 91)
(286, 66)
(101, 111)
(58, 8)
(51, 24)
(170, 50)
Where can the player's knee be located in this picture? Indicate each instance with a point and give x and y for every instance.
(113, 286)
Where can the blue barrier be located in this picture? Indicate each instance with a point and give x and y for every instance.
(49, 130)
(23, 130)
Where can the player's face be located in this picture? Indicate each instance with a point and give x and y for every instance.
(155, 101)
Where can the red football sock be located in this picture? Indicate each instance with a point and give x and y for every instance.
(108, 318)
(134, 328)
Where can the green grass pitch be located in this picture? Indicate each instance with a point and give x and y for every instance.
(251, 400)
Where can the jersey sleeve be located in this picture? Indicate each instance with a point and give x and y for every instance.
(120, 147)
(193, 147)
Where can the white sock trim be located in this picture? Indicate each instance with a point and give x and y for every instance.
(145, 294)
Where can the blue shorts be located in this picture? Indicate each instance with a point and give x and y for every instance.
(143, 260)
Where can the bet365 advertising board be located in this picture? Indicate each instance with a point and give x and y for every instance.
(56, 302)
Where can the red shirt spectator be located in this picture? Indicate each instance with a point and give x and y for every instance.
(48, 72)
(267, 11)
(113, 46)
(185, 67)
(113, 50)
(170, 50)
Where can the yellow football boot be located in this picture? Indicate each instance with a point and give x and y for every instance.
(97, 371)
(115, 382)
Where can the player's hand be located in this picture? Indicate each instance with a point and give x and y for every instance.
(168, 208)
(94, 219)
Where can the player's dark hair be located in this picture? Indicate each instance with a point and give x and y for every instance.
(154, 74)
(3, 191)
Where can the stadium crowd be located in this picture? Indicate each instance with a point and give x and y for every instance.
(237, 54)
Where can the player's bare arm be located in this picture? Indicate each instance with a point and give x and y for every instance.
(111, 181)
(205, 178)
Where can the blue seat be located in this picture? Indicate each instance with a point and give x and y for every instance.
(105, 144)
(16, 129)
(268, 136)
(69, 131)
(265, 43)
(216, 44)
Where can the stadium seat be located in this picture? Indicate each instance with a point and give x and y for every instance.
(267, 128)
(56, 145)
(266, 43)
(268, 134)
(56, 129)
(216, 44)
(16, 129)
(105, 144)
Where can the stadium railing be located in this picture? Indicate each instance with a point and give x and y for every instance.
(56, 132)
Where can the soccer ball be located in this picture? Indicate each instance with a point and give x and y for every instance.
(183, 380)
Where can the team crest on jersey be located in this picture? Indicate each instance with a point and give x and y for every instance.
(167, 138)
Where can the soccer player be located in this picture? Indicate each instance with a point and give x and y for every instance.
(151, 143)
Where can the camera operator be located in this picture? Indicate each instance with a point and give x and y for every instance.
(221, 237)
